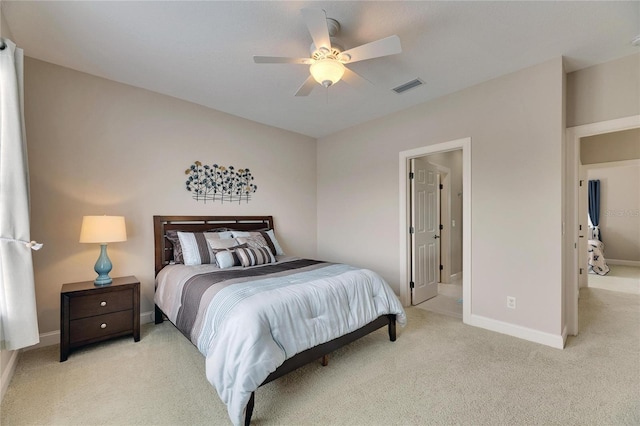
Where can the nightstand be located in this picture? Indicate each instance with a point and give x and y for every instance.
(90, 314)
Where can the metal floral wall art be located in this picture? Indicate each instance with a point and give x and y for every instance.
(219, 183)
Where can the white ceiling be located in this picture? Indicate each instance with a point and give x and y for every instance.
(202, 51)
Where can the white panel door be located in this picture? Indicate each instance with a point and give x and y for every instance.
(425, 222)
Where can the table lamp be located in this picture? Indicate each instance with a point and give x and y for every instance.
(103, 230)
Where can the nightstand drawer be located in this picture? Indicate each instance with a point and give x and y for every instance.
(102, 303)
(99, 326)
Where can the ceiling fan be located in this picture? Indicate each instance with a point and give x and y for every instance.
(327, 61)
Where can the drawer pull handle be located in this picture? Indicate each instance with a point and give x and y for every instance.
(103, 303)
(103, 325)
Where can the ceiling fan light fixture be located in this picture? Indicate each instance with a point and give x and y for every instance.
(327, 58)
(327, 71)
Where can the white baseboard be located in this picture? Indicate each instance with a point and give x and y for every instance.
(7, 373)
(624, 262)
(536, 336)
(53, 337)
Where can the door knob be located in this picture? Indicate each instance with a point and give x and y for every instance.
(436, 236)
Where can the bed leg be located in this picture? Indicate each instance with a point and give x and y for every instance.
(325, 360)
(158, 315)
(392, 327)
(249, 412)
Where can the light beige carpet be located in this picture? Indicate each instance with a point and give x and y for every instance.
(447, 302)
(620, 278)
(438, 372)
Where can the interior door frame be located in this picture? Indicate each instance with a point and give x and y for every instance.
(572, 219)
(405, 210)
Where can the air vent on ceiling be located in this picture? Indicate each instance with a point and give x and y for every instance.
(409, 85)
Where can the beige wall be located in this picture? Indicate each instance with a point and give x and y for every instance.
(604, 92)
(608, 147)
(619, 208)
(5, 31)
(516, 126)
(100, 147)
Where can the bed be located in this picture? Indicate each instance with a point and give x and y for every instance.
(258, 322)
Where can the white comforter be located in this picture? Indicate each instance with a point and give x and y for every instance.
(246, 328)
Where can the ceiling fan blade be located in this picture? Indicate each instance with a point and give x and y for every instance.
(281, 60)
(375, 49)
(316, 20)
(306, 87)
(355, 80)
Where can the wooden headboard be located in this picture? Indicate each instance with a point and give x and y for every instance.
(162, 224)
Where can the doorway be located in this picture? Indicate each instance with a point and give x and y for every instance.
(464, 146)
(574, 248)
(435, 202)
(613, 160)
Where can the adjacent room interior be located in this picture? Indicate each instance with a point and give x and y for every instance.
(436, 155)
(447, 239)
(613, 161)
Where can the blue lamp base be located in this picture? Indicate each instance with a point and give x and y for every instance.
(103, 267)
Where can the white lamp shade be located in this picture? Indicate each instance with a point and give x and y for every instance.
(103, 229)
(327, 71)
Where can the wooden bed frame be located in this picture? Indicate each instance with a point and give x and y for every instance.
(164, 256)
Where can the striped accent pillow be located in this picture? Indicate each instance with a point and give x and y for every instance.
(226, 258)
(255, 256)
(213, 235)
(195, 249)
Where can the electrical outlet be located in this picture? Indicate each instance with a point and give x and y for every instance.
(511, 302)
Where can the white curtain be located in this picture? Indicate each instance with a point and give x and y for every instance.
(18, 315)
